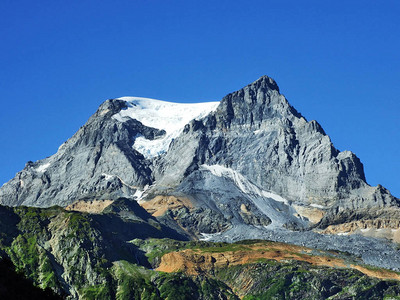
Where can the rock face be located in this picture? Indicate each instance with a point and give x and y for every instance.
(252, 160)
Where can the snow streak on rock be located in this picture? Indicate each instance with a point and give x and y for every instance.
(42, 168)
(273, 206)
(244, 184)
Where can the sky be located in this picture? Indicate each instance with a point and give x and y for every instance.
(337, 62)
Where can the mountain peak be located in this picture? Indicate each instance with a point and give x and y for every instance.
(266, 82)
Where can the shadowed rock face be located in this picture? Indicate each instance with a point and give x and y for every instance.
(254, 133)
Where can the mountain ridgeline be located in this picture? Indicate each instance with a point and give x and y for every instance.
(254, 132)
(147, 185)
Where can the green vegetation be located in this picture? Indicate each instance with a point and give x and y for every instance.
(277, 289)
(100, 264)
(177, 286)
(96, 292)
(133, 281)
(31, 259)
(155, 248)
(181, 287)
(14, 285)
(267, 261)
(223, 248)
(79, 224)
(391, 297)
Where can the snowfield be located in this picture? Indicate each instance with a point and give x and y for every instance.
(169, 116)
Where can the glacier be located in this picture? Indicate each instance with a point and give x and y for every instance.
(163, 115)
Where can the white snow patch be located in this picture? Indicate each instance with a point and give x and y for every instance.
(107, 176)
(170, 116)
(140, 193)
(275, 197)
(317, 206)
(343, 233)
(257, 131)
(208, 236)
(151, 148)
(42, 168)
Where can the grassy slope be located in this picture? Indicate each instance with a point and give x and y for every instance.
(98, 263)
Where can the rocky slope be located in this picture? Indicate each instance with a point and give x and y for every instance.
(67, 250)
(112, 256)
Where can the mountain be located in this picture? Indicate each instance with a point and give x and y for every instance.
(99, 160)
(247, 167)
(278, 169)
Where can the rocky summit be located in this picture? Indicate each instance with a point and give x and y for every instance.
(247, 167)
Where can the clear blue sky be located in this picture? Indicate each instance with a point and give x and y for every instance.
(336, 61)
